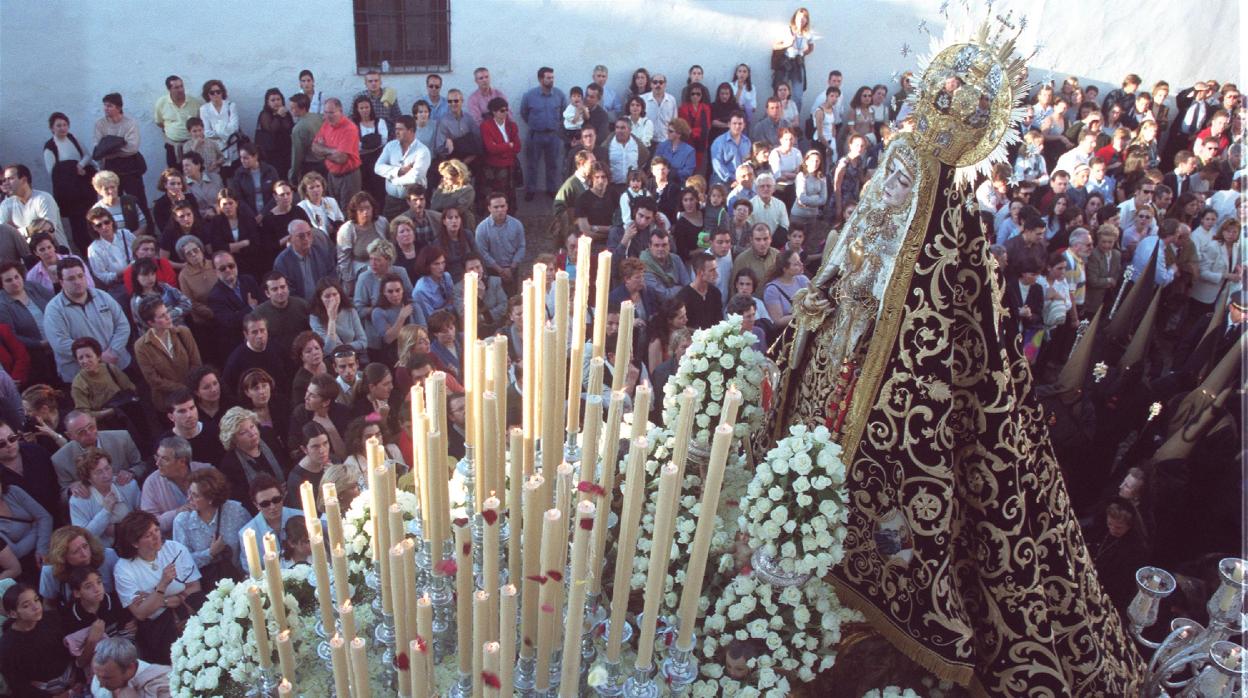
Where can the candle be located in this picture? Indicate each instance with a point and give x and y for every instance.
(375, 500)
(490, 667)
(420, 466)
(696, 569)
(470, 374)
(435, 531)
(273, 575)
(552, 446)
(563, 489)
(410, 593)
(732, 402)
(477, 349)
(285, 688)
(502, 382)
(252, 552)
(528, 357)
(342, 585)
(346, 618)
(286, 654)
(480, 633)
(333, 514)
(422, 661)
(489, 472)
(641, 410)
(623, 347)
(359, 668)
(491, 523)
(381, 523)
(398, 527)
(515, 485)
(576, 367)
(463, 595)
(401, 636)
(554, 542)
(630, 517)
(597, 366)
(606, 480)
(508, 596)
(307, 496)
(260, 628)
(324, 601)
(539, 366)
(530, 587)
(684, 428)
(577, 588)
(341, 666)
(664, 527)
(602, 287)
(561, 342)
(419, 669)
(590, 439)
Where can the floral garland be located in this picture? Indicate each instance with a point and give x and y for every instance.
(719, 357)
(358, 539)
(796, 505)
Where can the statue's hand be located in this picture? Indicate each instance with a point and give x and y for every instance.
(811, 302)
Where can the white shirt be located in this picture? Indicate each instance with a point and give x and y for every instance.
(110, 259)
(137, 575)
(393, 156)
(1071, 159)
(39, 205)
(660, 111)
(219, 126)
(149, 681)
(623, 157)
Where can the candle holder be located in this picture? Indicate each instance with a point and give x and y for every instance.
(442, 598)
(642, 684)
(681, 667)
(384, 637)
(594, 615)
(323, 651)
(572, 451)
(462, 688)
(1212, 663)
(613, 685)
(266, 684)
(556, 672)
(770, 569)
(603, 629)
(525, 678)
(467, 471)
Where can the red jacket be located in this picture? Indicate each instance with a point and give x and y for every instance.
(699, 119)
(13, 355)
(164, 274)
(499, 152)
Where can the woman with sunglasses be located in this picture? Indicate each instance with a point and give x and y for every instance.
(220, 118)
(158, 581)
(268, 496)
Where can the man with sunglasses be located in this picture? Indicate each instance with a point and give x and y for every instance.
(268, 496)
(457, 134)
(660, 106)
(25, 204)
(78, 312)
(231, 298)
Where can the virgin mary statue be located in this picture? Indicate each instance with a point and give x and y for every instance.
(962, 548)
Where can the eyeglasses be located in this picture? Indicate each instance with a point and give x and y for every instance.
(266, 503)
(102, 222)
(454, 101)
(11, 439)
(227, 267)
(658, 82)
(215, 92)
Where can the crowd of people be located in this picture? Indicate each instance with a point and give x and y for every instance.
(173, 371)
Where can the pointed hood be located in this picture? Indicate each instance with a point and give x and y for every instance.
(1138, 347)
(1183, 438)
(1224, 372)
(1141, 290)
(1074, 374)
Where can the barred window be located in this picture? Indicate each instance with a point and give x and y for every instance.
(408, 36)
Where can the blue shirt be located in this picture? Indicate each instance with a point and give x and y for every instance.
(432, 296)
(543, 111)
(437, 111)
(261, 527)
(682, 159)
(501, 246)
(727, 156)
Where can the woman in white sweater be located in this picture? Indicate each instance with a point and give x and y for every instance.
(1221, 259)
(220, 118)
(96, 502)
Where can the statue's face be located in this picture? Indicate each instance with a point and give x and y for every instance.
(898, 184)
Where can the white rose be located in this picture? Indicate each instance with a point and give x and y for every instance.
(801, 484)
(804, 500)
(780, 514)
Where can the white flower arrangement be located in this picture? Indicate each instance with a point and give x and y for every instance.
(795, 507)
(216, 654)
(719, 357)
(892, 692)
(357, 538)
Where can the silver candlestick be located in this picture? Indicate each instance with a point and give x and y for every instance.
(324, 653)
(572, 451)
(442, 598)
(1203, 653)
(462, 688)
(681, 668)
(266, 684)
(525, 678)
(642, 683)
(613, 685)
(384, 637)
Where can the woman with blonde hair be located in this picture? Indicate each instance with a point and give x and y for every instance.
(246, 454)
(346, 481)
(455, 189)
(126, 210)
(323, 211)
(71, 548)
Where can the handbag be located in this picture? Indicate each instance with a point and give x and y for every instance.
(122, 398)
(223, 565)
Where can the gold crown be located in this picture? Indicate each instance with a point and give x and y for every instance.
(964, 104)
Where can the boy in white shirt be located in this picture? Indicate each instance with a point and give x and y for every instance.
(574, 115)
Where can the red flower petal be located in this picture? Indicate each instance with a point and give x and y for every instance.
(461, 521)
(490, 516)
(528, 642)
(586, 523)
(447, 567)
(555, 575)
(421, 645)
(547, 608)
(400, 661)
(590, 487)
(467, 549)
(490, 679)
(536, 578)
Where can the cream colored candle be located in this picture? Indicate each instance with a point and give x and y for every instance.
(410, 593)
(576, 368)
(424, 639)
(491, 523)
(577, 587)
(539, 365)
(381, 522)
(273, 576)
(532, 554)
(684, 428)
(597, 367)
(435, 394)
(660, 551)
(359, 669)
(418, 670)
(552, 444)
(561, 344)
(590, 439)
(341, 666)
(260, 628)
(602, 288)
(401, 633)
(477, 349)
(490, 470)
(501, 362)
(420, 468)
(333, 514)
(286, 655)
(398, 527)
(606, 480)
(307, 497)
(480, 635)
(376, 505)
(528, 357)
(434, 530)
(320, 568)
(515, 485)
(469, 359)
(563, 489)
(732, 403)
(623, 347)
(342, 585)
(285, 688)
(346, 618)
(641, 411)
(508, 598)
(252, 552)
(696, 569)
(463, 596)
(554, 542)
(626, 544)
(489, 667)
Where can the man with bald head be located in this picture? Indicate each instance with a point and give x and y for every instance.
(303, 262)
(83, 433)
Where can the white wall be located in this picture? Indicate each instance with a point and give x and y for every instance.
(66, 54)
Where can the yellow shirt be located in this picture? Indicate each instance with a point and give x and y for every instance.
(172, 118)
